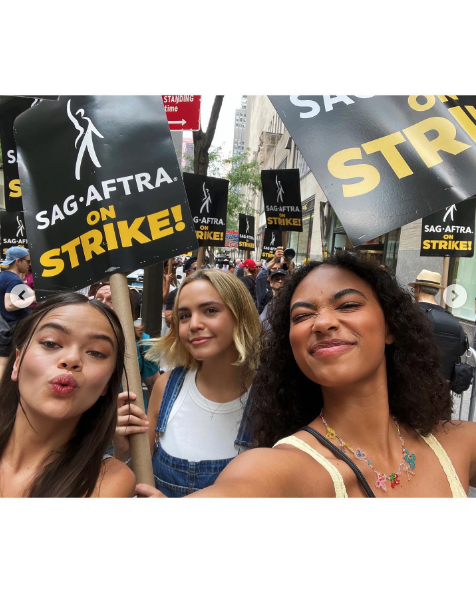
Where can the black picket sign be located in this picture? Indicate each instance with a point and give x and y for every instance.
(208, 199)
(102, 189)
(282, 199)
(384, 161)
(10, 108)
(272, 240)
(12, 231)
(449, 232)
(246, 229)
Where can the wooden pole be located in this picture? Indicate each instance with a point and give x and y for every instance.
(444, 279)
(201, 253)
(140, 450)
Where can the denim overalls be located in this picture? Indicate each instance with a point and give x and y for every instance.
(176, 477)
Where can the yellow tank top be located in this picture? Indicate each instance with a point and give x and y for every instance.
(339, 486)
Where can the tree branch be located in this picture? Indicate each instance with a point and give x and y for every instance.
(212, 124)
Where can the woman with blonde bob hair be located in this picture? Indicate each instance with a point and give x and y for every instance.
(198, 413)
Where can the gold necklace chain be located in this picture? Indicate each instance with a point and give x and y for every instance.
(208, 406)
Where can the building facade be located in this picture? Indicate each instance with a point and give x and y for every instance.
(240, 128)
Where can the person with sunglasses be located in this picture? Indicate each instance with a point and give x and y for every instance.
(17, 262)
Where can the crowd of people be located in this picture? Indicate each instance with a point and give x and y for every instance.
(268, 380)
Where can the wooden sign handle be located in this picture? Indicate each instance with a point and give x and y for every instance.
(200, 256)
(140, 449)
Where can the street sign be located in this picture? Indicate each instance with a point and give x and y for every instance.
(182, 111)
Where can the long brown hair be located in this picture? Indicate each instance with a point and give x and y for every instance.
(73, 471)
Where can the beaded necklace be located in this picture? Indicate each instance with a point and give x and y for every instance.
(407, 465)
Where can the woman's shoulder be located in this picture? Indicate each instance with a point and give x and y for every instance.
(115, 480)
(459, 433)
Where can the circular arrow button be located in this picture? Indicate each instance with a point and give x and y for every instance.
(22, 296)
(455, 296)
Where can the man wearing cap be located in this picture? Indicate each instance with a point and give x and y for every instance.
(17, 261)
(448, 332)
(249, 276)
(276, 280)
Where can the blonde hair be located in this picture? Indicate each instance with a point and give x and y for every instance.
(246, 331)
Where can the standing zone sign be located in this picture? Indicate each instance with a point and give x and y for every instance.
(102, 189)
(183, 111)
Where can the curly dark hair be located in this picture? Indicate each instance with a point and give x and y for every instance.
(284, 399)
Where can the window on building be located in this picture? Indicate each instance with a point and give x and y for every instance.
(300, 163)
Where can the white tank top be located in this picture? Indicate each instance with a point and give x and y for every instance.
(199, 429)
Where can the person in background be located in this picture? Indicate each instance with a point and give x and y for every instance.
(249, 277)
(448, 332)
(17, 261)
(28, 280)
(262, 282)
(276, 281)
(240, 270)
(189, 268)
(238, 263)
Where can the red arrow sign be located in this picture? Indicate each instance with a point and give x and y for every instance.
(183, 111)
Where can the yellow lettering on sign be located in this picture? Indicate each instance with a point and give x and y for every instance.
(387, 146)
(91, 242)
(15, 188)
(464, 121)
(160, 225)
(70, 247)
(128, 233)
(413, 103)
(429, 149)
(50, 259)
(107, 213)
(338, 168)
(110, 235)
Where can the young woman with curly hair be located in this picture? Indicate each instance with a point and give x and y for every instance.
(350, 356)
(196, 420)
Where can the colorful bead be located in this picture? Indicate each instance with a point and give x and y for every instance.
(360, 454)
(381, 482)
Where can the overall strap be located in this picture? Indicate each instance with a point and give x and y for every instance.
(172, 390)
(244, 432)
(342, 456)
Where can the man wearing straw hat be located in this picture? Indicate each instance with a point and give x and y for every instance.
(449, 333)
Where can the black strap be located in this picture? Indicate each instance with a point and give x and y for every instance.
(340, 454)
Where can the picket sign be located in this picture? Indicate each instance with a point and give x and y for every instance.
(140, 449)
(102, 203)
